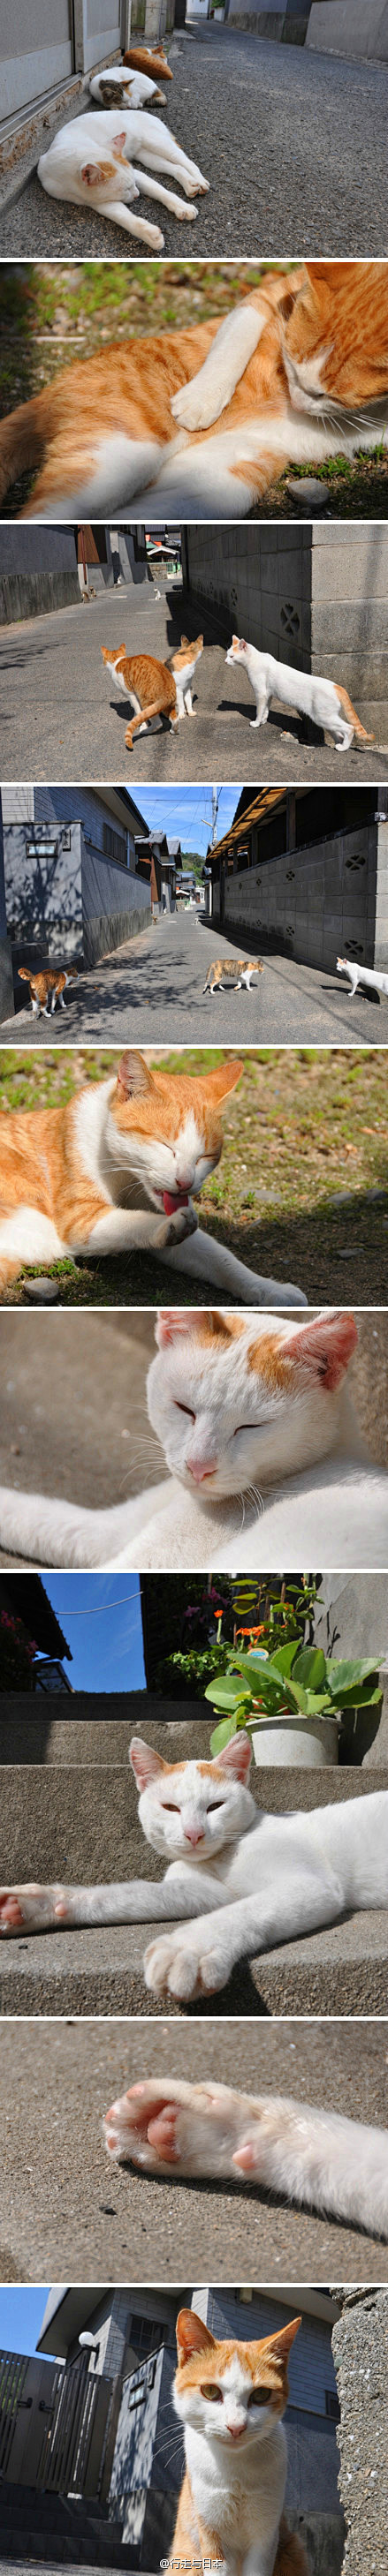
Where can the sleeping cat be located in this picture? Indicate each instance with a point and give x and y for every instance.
(237, 1881)
(369, 975)
(90, 162)
(298, 368)
(128, 84)
(154, 688)
(232, 970)
(46, 980)
(266, 1461)
(155, 64)
(115, 1168)
(323, 700)
(230, 2398)
(316, 2158)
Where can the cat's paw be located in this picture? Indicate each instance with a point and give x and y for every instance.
(144, 2125)
(184, 1223)
(32, 1909)
(196, 406)
(173, 1966)
(281, 1293)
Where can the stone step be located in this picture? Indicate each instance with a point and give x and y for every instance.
(338, 1972)
(64, 2529)
(98, 1726)
(46, 1831)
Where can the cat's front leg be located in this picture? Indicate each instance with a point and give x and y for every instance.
(35, 1908)
(194, 1961)
(128, 1230)
(164, 2123)
(49, 1532)
(204, 1258)
(262, 713)
(198, 404)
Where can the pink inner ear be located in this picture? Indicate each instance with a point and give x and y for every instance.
(91, 173)
(325, 1347)
(119, 139)
(145, 1762)
(236, 1756)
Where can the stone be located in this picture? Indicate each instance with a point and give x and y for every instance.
(359, 2354)
(41, 1292)
(308, 489)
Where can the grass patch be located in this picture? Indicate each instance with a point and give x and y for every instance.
(303, 1126)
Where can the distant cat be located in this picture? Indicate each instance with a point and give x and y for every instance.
(114, 1168)
(237, 1882)
(46, 980)
(154, 688)
(89, 162)
(323, 700)
(131, 83)
(155, 64)
(232, 970)
(315, 2157)
(369, 975)
(266, 1461)
(230, 2398)
(211, 415)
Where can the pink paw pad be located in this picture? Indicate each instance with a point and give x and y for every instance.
(161, 2133)
(10, 1912)
(245, 2158)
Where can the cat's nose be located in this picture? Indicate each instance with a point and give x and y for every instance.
(199, 1471)
(236, 2430)
(194, 1833)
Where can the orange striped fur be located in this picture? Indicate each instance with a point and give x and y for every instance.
(41, 1165)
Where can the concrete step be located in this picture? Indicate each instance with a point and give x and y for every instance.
(98, 1726)
(60, 2528)
(85, 1827)
(337, 1972)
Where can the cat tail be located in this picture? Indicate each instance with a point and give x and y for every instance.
(290, 2555)
(22, 440)
(350, 713)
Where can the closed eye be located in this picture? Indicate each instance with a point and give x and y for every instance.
(250, 1426)
(169, 1809)
(184, 1408)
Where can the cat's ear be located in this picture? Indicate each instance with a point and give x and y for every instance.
(173, 1321)
(185, 639)
(92, 173)
(145, 1763)
(224, 1077)
(324, 1347)
(192, 2335)
(133, 1077)
(280, 2344)
(333, 272)
(236, 1757)
(118, 140)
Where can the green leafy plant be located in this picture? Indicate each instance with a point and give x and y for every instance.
(295, 1681)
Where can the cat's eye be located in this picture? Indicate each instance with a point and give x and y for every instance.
(260, 2397)
(168, 1807)
(184, 1408)
(248, 1426)
(209, 2389)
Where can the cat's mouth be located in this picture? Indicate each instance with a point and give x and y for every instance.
(172, 1199)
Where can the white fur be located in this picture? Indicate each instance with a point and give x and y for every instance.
(134, 89)
(75, 169)
(269, 679)
(237, 2487)
(314, 2157)
(369, 975)
(237, 1882)
(293, 1459)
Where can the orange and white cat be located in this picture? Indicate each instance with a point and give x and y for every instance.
(154, 688)
(211, 416)
(117, 1167)
(47, 981)
(230, 2398)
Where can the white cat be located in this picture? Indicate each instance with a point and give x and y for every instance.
(117, 86)
(323, 700)
(368, 975)
(314, 2157)
(267, 1466)
(238, 1881)
(90, 163)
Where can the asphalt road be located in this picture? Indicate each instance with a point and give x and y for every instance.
(153, 987)
(294, 145)
(68, 2215)
(61, 717)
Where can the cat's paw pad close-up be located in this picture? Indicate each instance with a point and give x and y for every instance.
(143, 2126)
(31, 1908)
(173, 1967)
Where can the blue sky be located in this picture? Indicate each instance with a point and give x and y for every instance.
(21, 2313)
(187, 812)
(100, 1616)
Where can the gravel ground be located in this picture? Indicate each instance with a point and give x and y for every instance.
(155, 985)
(305, 136)
(65, 2209)
(52, 675)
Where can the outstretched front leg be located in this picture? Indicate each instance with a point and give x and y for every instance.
(315, 2158)
(148, 187)
(202, 401)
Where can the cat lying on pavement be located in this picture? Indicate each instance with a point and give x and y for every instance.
(267, 1465)
(237, 1882)
(92, 162)
(315, 2158)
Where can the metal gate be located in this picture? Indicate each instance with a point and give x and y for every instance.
(53, 2424)
(41, 48)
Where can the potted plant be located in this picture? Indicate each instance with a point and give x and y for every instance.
(290, 1702)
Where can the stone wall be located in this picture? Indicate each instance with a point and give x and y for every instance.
(49, 578)
(317, 903)
(314, 596)
(360, 2359)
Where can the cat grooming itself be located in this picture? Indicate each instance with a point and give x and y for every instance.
(116, 1167)
(325, 701)
(265, 1457)
(237, 1881)
(154, 688)
(315, 2158)
(211, 416)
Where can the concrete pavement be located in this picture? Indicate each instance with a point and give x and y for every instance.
(61, 717)
(152, 988)
(294, 145)
(64, 2207)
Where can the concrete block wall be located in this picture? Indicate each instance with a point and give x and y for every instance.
(317, 902)
(258, 582)
(356, 28)
(349, 611)
(49, 578)
(314, 596)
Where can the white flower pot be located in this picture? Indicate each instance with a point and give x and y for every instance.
(308, 1742)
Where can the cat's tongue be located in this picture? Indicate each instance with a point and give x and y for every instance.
(170, 1203)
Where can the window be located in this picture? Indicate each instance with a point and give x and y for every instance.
(145, 2335)
(114, 845)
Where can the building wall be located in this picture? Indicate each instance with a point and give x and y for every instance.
(316, 597)
(317, 903)
(79, 903)
(115, 905)
(49, 578)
